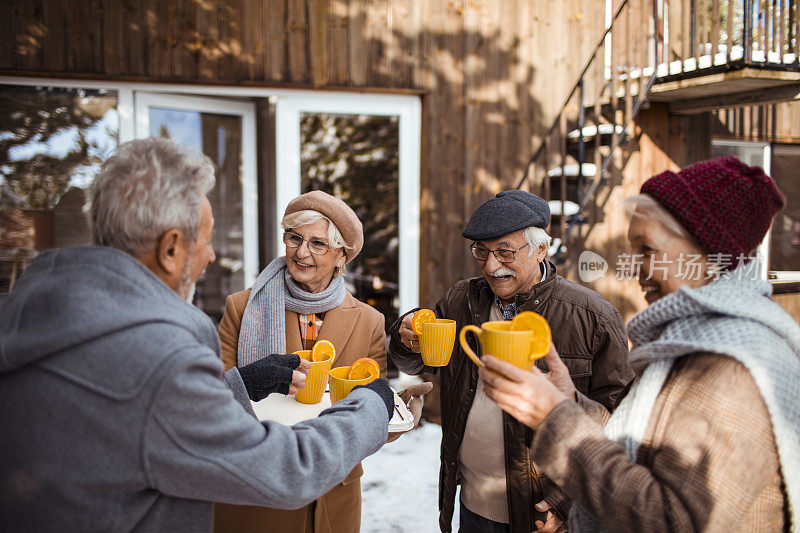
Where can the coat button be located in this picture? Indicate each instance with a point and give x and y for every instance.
(536, 302)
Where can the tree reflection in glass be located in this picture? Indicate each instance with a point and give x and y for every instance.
(355, 158)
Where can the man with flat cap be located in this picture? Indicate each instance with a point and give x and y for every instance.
(485, 450)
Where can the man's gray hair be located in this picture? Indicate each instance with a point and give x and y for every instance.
(147, 187)
(535, 237)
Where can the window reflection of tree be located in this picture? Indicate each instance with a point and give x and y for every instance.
(45, 140)
(785, 235)
(52, 141)
(355, 158)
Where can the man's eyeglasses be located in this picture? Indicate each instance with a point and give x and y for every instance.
(503, 256)
(315, 246)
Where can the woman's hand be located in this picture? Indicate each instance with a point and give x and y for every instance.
(527, 396)
(559, 373)
(299, 376)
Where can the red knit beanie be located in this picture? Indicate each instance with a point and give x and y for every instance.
(726, 205)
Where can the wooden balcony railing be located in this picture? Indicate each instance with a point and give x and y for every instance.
(581, 151)
(709, 34)
(646, 45)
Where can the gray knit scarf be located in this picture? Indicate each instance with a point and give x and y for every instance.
(734, 316)
(263, 329)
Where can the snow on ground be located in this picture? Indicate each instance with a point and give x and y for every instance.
(400, 486)
(399, 489)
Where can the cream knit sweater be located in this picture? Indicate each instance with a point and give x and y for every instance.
(481, 459)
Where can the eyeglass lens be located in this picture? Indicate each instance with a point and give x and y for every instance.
(315, 246)
(482, 254)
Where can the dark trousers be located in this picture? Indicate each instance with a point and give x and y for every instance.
(470, 522)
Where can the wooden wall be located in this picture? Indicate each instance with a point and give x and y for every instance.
(493, 73)
(790, 303)
(659, 142)
(769, 123)
(662, 141)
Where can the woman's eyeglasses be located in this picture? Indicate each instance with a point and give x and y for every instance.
(315, 246)
(503, 256)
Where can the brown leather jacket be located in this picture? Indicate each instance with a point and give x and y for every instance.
(588, 333)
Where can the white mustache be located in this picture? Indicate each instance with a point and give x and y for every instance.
(503, 271)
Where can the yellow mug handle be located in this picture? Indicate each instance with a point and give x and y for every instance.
(462, 338)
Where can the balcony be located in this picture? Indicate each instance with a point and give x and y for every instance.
(695, 55)
(723, 53)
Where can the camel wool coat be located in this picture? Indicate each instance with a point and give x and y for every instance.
(356, 330)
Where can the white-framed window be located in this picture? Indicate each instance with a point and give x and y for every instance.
(785, 232)
(137, 104)
(292, 146)
(215, 127)
(779, 252)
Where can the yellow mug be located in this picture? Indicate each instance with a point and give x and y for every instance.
(341, 386)
(497, 339)
(316, 379)
(436, 342)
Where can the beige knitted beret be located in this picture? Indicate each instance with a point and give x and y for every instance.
(340, 214)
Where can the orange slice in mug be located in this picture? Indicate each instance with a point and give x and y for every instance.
(322, 351)
(541, 337)
(420, 317)
(364, 368)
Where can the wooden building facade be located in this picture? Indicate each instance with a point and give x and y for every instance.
(492, 80)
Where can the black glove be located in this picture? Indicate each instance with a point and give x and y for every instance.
(270, 374)
(382, 388)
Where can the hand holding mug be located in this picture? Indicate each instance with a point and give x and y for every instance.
(553, 523)
(299, 376)
(528, 396)
(408, 338)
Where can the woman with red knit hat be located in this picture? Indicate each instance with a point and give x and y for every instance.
(708, 437)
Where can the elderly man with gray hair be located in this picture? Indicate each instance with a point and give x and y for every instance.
(115, 415)
(485, 450)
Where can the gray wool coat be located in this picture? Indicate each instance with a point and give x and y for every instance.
(115, 416)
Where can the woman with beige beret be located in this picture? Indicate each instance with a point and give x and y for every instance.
(298, 299)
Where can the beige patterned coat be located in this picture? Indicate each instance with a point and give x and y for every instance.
(708, 461)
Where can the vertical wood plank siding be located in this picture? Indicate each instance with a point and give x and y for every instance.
(54, 35)
(28, 18)
(493, 75)
(8, 45)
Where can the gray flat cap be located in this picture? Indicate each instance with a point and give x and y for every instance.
(504, 213)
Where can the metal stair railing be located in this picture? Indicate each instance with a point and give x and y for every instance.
(586, 198)
(650, 44)
(575, 87)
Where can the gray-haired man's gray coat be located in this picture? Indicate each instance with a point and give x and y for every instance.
(114, 415)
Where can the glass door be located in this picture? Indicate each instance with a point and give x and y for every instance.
(364, 149)
(784, 238)
(355, 157)
(224, 130)
(753, 154)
